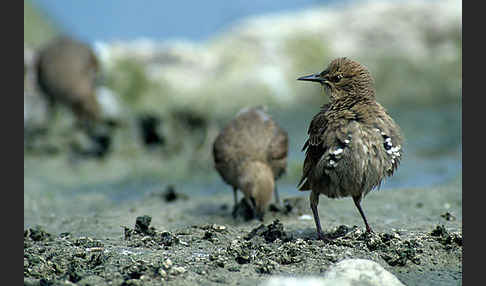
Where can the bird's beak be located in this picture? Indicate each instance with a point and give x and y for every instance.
(317, 77)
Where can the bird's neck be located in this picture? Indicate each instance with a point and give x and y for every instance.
(351, 100)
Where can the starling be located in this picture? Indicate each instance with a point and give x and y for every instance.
(66, 74)
(353, 143)
(250, 153)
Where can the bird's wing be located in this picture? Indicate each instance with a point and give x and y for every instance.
(278, 150)
(313, 145)
(279, 145)
(316, 128)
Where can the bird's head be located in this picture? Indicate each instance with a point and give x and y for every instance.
(344, 79)
(257, 183)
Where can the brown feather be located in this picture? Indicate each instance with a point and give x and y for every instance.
(353, 143)
(245, 148)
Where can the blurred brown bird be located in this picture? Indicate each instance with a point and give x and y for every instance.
(66, 73)
(353, 142)
(250, 153)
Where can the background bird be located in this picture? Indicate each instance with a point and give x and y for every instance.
(353, 143)
(66, 73)
(250, 153)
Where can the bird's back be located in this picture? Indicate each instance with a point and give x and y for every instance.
(66, 72)
(251, 136)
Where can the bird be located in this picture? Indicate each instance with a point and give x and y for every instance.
(67, 73)
(250, 154)
(353, 143)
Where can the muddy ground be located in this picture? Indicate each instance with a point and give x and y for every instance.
(173, 237)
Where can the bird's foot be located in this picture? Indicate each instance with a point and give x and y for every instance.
(324, 237)
(234, 213)
(369, 230)
(275, 207)
(369, 233)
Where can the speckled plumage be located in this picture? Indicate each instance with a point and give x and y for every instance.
(353, 142)
(66, 73)
(250, 153)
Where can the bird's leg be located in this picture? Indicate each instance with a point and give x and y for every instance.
(277, 206)
(260, 215)
(235, 195)
(277, 198)
(314, 201)
(252, 205)
(357, 202)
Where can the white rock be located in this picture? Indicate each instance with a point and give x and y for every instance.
(294, 281)
(359, 272)
(348, 272)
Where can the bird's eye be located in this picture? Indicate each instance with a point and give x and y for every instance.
(336, 78)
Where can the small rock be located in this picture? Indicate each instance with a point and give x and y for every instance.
(37, 233)
(162, 273)
(243, 259)
(233, 269)
(271, 232)
(142, 223)
(218, 227)
(209, 235)
(341, 230)
(176, 270)
(446, 238)
(181, 242)
(440, 230)
(457, 238)
(168, 239)
(265, 267)
(167, 263)
(359, 272)
(170, 194)
(448, 216)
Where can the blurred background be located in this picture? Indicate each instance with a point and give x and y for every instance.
(171, 74)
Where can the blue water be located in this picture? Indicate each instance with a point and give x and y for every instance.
(432, 154)
(107, 20)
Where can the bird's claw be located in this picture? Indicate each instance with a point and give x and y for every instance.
(323, 237)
